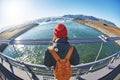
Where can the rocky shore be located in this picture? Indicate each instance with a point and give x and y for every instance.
(107, 29)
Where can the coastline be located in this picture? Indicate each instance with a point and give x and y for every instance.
(14, 32)
(107, 29)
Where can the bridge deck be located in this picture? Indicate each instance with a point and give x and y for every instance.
(102, 72)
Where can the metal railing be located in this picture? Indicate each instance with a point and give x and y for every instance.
(42, 70)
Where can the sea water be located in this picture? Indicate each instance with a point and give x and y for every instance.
(35, 53)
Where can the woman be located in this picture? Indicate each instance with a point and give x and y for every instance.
(61, 47)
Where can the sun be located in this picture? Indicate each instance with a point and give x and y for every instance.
(13, 11)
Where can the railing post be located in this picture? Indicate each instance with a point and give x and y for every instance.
(32, 73)
(11, 67)
(78, 75)
(1, 60)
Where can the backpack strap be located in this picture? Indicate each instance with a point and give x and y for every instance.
(56, 57)
(69, 52)
(54, 54)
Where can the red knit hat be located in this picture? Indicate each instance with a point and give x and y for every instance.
(60, 31)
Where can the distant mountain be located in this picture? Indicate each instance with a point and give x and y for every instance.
(69, 17)
(48, 19)
(89, 18)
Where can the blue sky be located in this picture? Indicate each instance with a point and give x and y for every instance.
(18, 11)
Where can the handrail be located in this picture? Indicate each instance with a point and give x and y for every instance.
(4, 57)
(48, 41)
(41, 69)
(5, 41)
(96, 62)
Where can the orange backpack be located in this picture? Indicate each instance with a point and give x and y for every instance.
(63, 70)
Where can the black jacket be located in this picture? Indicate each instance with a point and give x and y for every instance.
(61, 47)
